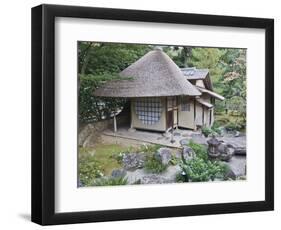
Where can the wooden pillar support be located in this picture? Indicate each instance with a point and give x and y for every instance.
(115, 123)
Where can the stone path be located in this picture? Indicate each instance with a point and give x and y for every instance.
(181, 137)
(164, 139)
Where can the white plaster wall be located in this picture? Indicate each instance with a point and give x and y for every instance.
(159, 126)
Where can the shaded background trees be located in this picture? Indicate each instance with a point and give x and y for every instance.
(97, 64)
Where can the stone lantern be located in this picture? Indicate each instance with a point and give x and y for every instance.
(213, 145)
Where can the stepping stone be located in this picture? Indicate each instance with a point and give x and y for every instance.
(184, 142)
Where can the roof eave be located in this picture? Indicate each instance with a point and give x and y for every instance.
(211, 93)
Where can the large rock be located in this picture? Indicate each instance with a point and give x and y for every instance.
(237, 164)
(240, 150)
(237, 143)
(226, 151)
(188, 153)
(132, 161)
(84, 131)
(230, 174)
(141, 176)
(184, 141)
(164, 155)
(118, 173)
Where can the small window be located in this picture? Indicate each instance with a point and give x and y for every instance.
(148, 110)
(185, 104)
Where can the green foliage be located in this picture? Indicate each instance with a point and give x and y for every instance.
(174, 160)
(237, 104)
(180, 55)
(118, 157)
(98, 162)
(110, 181)
(89, 169)
(234, 81)
(198, 169)
(153, 165)
(207, 131)
(216, 130)
(227, 70)
(97, 64)
(231, 126)
(150, 149)
(100, 58)
(93, 108)
(222, 120)
(200, 150)
(209, 58)
(216, 125)
(180, 177)
(231, 122)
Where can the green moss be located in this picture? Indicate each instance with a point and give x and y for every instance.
(99, 161)
(103, 158)
(106, 156)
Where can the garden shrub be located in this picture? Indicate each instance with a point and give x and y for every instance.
(149, 148)
(222, 120)
(231, 126)
(180, 177)
(216, 130)
(230, 122)
(89, 170)
(198, 169)
(92, 108)
(200, 150)
(153, 165)
(241, 121)
(216, 125)
(109, 181)
(174, 160)
(207, 131)
(118, 157)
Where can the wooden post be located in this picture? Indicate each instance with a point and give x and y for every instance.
(172, 135)
(115, 123)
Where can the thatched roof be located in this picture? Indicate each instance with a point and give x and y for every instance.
(211, 93)
(193, 74)
(153, 75)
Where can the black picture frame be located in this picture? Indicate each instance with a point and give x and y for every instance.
(43, 114)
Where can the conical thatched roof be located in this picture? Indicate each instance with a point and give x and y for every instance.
(153, 75)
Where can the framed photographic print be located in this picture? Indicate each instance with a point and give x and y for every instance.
(142, 114)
